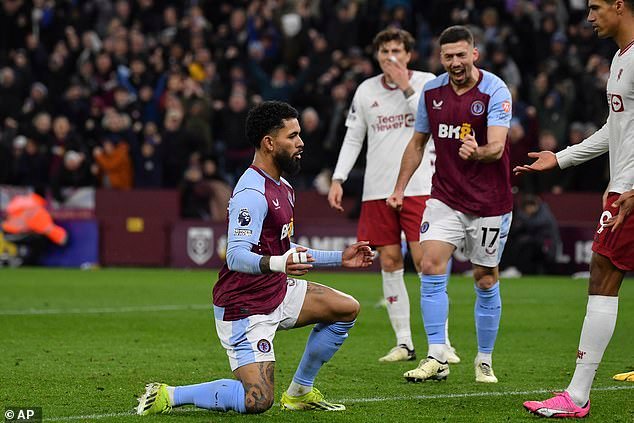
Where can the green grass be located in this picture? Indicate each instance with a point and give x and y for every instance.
(89, 356)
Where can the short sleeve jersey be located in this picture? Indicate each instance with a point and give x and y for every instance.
(260, 212)
(469, 186)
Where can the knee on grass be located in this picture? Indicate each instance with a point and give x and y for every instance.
(259, 405)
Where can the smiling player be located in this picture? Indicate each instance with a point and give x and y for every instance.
(468, 112)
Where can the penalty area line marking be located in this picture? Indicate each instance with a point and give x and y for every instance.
(361, 400)
(98, 310)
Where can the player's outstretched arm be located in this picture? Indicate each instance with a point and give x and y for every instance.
(546, 160)
(357, 255)
(625, 203)
(412, 157)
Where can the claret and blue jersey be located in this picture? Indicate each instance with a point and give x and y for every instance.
(472, 187)
(260, 220)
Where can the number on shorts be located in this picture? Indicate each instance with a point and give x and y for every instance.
(485, 231)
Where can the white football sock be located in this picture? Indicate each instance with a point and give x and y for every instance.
(397, 300)
(438, 351)
(597, 330)
(297, 390)
(484, 358)
(170, 394)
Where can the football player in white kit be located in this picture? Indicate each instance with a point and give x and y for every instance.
(384, 108)
(613, 247)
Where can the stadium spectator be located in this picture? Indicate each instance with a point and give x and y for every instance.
(30, 165)
(591, 176)
(40, 130)
(80, 52)
(533, 239)
(37, 102)
(383, 109)
(315, 156)
(521, 141)
(75, 172)
(254, 290)
(64, 139)
(205, 194)
(467, 111)
(538, 183)
(175, 149)
(11, 93)
(147, 157)
(613, 247)
(113, 156)
(238, 151)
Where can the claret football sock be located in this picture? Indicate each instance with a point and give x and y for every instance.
(219, 395)
(597, 330)
(324, 341)
(434, 305)
(488, 309)
(397, 301)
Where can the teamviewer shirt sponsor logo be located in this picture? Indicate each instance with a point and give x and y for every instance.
(386, 123)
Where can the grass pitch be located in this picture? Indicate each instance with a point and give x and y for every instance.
(82, 344)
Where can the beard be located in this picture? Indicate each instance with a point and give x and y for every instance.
(287, 164)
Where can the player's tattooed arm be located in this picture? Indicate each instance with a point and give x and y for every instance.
(265, 264)
(408, 92)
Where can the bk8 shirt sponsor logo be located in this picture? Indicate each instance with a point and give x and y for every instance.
(456, 132)
(287, 230)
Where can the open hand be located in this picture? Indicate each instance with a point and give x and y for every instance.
(546, 160)
(357, 255)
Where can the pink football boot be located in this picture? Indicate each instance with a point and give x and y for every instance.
(559, 406)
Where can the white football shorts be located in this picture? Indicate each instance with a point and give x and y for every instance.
(480, 239)
(250, 340)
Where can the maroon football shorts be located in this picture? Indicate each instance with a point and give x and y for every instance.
(618, 246)
(381, 225)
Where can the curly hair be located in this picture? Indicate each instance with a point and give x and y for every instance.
(394, 34)
(266, 119)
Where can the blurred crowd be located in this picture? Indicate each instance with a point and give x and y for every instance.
(154, 93)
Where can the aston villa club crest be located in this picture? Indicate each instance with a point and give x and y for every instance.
(477, 108)
(264, 346)
(200, 244)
